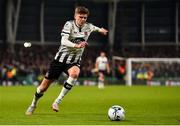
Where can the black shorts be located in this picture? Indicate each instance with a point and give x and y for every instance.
(56, 68)
(103, 72)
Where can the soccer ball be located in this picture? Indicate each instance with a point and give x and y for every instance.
(116, 113)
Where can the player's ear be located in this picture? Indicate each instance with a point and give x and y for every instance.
(75, 16)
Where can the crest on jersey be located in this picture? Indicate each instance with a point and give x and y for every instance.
(85, 33)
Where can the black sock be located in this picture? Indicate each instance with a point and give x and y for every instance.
(38, 95)
(67, 86)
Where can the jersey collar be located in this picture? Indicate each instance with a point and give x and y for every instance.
(78, 26)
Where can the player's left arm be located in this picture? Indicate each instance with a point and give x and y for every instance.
(108, 67)
(103, 31)
(100, 30)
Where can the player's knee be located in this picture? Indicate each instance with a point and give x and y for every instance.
(74, 75)
(74, 72)
(101, 78)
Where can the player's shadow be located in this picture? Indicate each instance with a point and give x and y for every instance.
(127, 120)
(50, 114)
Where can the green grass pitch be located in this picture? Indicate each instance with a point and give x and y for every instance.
(88, 105)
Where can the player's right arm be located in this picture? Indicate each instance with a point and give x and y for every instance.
(97, 64)
(65, 37)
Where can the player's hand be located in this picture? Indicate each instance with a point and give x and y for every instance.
(108, 71)
(81, 44)
(103, 31)
(94, 70)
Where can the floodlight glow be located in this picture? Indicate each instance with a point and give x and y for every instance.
(27, 44)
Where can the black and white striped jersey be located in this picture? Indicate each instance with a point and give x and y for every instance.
(71, 55)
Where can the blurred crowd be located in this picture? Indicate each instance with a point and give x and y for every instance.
(24, 65)
(28, 65)
(149, 71)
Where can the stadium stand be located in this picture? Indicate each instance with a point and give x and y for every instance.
(144, 28)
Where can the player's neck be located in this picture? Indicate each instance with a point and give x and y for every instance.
(79, 26)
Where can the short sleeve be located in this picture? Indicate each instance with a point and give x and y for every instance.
(94, 28)
(66, 29)
(97, 59)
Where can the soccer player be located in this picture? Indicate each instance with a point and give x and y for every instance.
(102, 66)
(74, 36)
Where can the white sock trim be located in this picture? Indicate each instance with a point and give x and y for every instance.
(71, 80)
(38, 90)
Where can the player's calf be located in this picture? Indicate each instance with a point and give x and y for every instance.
(66, 88)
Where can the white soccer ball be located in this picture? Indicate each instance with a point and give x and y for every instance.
(116, 113)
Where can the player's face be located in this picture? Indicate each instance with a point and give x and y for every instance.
(80, 19)
(103, 54)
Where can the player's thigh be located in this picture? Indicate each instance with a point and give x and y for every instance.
(55, 69)
(101, 73)
(74, 71)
